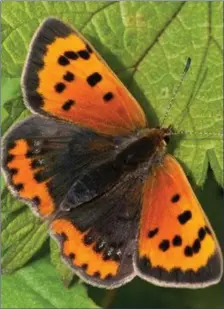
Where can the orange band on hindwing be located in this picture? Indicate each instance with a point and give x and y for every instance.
(23, 178)
(81, 254)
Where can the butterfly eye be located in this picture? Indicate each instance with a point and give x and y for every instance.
(166, 139)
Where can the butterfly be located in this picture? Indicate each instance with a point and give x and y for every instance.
(87, 163)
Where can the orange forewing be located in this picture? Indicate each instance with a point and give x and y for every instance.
(76, 85)
(176, 244)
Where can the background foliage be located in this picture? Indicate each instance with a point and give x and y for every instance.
(146, 44)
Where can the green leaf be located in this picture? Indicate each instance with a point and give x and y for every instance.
(9, 203)
(16, 226)
(23, 234)
(9, 91)
(37, 286)
(63, 269)
(22, 245)
(146, 43)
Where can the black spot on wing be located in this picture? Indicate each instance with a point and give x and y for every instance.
(177, 241)
(71, 55)
(19, 187)
(196, 246)
(164, 245)
(96, 274)
(153, 232)
(84, 54)
(84, 266)
(184, 217)
(94, 79)
(71, 256)
(69, 77)
(36, 200)
(13, 171)
(9, 158)
(175, 198)
(67, 105)
(108, 96)
(63, 236)
(201, 233)
(62, 60)
(188, 251)
(59, 87)
(40, 177)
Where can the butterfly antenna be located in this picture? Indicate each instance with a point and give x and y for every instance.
(187, 66)
(199, 135)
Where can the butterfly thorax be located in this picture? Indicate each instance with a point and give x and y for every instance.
(146, 145)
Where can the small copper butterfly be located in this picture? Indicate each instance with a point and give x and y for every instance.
(87, 162)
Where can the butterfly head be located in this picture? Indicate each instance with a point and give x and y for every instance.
(167, 132)
(163, 134)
